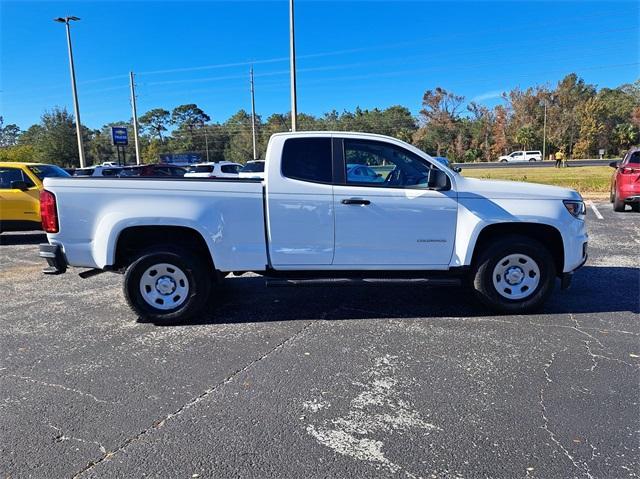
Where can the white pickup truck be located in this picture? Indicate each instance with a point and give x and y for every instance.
(414, 220)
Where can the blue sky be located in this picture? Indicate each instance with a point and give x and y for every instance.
(365, 53)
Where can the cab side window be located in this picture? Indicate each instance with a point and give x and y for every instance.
(371, 163)
(9, 175)
(308, 159)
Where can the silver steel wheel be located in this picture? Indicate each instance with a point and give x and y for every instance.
(516, 276)
(164, 286)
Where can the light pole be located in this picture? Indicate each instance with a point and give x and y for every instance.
(76, 107)
(253, 115)
(292, 66)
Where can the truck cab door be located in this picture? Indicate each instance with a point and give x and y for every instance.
(517, 156)
(397, 221)
(299, 202)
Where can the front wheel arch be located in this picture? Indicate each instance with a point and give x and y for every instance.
(545, 234)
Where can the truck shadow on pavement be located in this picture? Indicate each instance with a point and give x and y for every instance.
(14, 239)
(245, 299)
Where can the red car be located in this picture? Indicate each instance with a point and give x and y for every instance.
(625, 183)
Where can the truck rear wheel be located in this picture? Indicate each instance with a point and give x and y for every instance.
(514, 275)
(167, 284)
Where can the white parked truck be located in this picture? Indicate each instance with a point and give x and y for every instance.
(519, 156)
(309, 221)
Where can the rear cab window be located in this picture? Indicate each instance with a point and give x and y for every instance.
(202, 169)
(255, 167)
(229, 168)
(308, 159)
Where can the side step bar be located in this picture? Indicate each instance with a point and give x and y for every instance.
(274, 283)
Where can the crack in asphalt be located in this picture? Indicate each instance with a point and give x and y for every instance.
(63, 437)
(587, 344)
(584, 467)
(578, 328)
(159, 424)
(58, 386)
(551, 325)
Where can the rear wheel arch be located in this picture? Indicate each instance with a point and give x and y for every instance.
(547, 235)
(134, 241)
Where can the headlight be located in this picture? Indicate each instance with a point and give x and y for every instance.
(576, 208)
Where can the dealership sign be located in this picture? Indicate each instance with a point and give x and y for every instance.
(119, 135)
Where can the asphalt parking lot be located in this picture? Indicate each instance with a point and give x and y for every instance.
(376, 381)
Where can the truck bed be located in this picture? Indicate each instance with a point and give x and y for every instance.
(93, 212)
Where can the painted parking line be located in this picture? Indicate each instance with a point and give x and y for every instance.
(595, 210)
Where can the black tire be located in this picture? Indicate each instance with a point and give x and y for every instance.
(198, 284)
(635, 207)
(531, 159)
(482, 271)
(618, 204)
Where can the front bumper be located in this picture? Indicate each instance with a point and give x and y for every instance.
(566, 278)
(55, 258)
(632, 199)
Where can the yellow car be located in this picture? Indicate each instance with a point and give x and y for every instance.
(20, 186)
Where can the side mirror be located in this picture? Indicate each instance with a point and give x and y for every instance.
(613, 164)
(379, 175)
(457, 169)
(438, 179)
(19, 185)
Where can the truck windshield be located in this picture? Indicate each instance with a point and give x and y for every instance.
(47, 171)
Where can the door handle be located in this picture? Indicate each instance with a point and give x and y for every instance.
(355, 201)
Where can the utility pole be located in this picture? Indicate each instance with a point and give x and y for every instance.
(134, 112)
(544, 133)
(253, 114)
(292, 67)
(76, 107)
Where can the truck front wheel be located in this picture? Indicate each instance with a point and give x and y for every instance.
(515, 274)
(167, 284)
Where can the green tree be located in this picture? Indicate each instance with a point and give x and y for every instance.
(23, 153)
(563, 115)
(155, 121)
(626, 135)
(240, 146)
(591, 128)
(8, 134)
(54, 138)
(440, 117)
(480, 129)
(188, 118)
(151, 151)
(526, 137)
